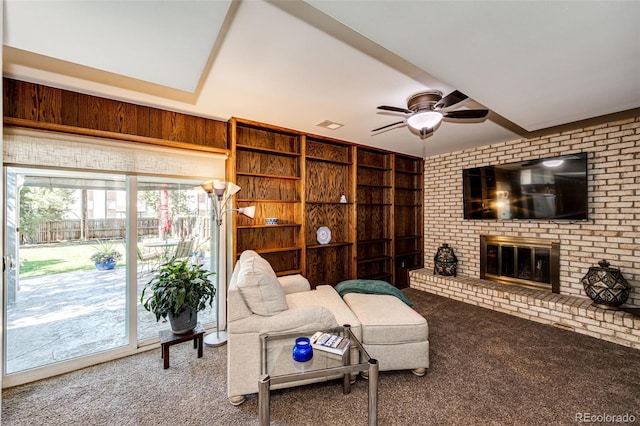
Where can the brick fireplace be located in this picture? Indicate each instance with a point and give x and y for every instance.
(612, 231)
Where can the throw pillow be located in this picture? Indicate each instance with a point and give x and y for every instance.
(260, 287)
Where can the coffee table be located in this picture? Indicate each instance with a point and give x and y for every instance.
(278, 367)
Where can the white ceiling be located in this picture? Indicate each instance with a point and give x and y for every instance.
(294, 64)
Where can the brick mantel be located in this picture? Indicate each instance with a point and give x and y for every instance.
(572, 313)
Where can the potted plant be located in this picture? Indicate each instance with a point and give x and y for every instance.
(106, 256)
(178, 290)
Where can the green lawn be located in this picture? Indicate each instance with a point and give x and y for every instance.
(49, 259)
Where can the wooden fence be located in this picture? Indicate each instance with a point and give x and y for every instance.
(73, 229)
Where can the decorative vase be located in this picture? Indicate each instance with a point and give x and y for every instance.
(302, 350)
(183, 322)
(445, 261)
(606, 286)
(106, 265)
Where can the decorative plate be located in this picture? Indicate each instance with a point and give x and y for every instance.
(323, 235)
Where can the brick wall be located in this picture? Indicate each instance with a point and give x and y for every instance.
(613, 229)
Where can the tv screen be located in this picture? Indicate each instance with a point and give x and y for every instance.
(546, 189)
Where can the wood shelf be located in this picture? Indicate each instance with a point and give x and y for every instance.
(260, 200)
(328, 160)
(267, 150)
(408, 172)
(372, 259)
(408, 188)
(408, 237)
(370, 185)
(330, 245)
(263, 175)
(369, 166)
(276, 250)
(408, 253)
(279, 225)
(329, 202)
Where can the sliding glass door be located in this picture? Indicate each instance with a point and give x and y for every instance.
(58, 304)
(172, 222)
(61, 303)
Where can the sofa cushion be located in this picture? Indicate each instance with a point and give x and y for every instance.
(259, 285)
(326, 296)
(386, 320)
(294, 283)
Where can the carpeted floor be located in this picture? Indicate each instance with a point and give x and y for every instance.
(487, 368)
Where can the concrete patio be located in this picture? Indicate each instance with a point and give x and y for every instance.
(63, 316)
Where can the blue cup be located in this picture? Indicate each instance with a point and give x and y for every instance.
(302, 350)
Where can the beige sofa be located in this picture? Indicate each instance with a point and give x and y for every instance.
(260, 302)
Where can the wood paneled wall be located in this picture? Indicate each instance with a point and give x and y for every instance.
(47, 108)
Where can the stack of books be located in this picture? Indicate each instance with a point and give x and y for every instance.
(331, 343)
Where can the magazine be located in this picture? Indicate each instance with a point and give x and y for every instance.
(328, 342)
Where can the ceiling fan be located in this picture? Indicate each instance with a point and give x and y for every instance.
(427, 109)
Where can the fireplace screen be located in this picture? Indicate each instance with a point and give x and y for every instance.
(530, 262)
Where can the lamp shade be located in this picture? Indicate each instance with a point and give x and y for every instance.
(248, 211)
(207, 186)
(424, 120)
(218, 187)
(232, 189)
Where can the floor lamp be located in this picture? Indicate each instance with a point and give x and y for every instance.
(220, 193)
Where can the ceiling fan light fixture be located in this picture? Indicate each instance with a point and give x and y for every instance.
(424, 120)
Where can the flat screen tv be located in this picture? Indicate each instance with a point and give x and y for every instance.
(543, 189)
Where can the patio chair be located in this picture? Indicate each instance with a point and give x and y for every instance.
(149, 259)
(184, 249)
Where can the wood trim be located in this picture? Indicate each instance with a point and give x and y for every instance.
(61, 128)
(41, 107)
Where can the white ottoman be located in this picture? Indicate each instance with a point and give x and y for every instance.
(392, 332)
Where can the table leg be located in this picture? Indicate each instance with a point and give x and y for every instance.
(264, 384)
(373, 392)
(199, 342)
(165, 355)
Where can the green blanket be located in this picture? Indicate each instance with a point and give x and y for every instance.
(370, 287)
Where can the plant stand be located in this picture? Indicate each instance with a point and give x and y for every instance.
(167, 339)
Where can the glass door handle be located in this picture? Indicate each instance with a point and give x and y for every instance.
(7, 261)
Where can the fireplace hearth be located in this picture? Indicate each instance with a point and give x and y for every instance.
(527, 262)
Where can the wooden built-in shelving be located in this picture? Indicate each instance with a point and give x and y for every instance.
(408, 217)
(374, 215)
(329, 175)
(301, 179)
(267, 167)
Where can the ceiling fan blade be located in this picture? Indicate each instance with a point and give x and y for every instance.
(395, 109)
(451, 99)
(467, 114)
(388, 125)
